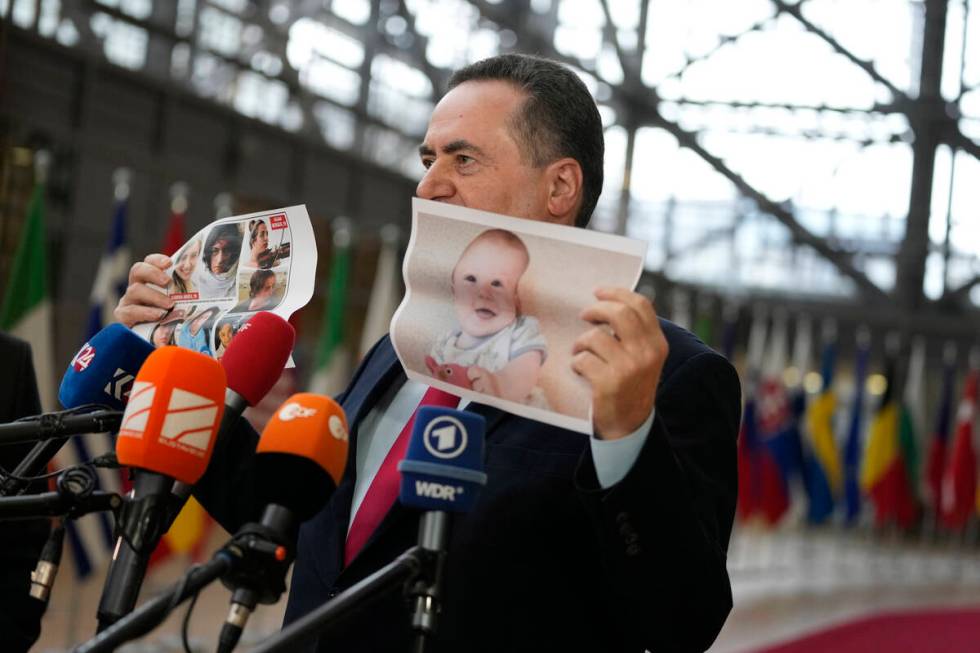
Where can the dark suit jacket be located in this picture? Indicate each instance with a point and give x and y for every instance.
(20, 541)
(547, 560)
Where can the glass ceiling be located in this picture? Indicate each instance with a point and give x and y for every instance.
(756, 82)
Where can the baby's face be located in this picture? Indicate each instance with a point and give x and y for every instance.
(485, 287)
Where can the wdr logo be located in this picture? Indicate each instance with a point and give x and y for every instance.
(189, 423)
(431, 490)
(445, 437)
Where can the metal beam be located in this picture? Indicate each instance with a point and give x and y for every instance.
(927, 119)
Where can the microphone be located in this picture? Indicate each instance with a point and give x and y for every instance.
(442, 472)
(252, 363)
(167, 434)
(102, 372)
(58, 426)
(300, 458)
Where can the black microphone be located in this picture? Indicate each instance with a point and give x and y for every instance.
(442, 473)
(102, 373)
(300, 459)
(167, 434)
(49, 426)
(252, 363)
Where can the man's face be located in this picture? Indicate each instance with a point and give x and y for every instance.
(471, 158)
(221, 256)
(485, 287)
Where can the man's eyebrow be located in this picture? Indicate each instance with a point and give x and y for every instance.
(453, 147)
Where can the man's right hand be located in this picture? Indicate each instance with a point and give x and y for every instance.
(141, 303)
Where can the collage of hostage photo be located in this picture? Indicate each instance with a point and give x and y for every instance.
(230, 270)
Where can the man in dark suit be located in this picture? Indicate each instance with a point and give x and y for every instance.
(610, 543)
(20, 541)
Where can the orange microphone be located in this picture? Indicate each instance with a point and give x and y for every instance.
(167, 434)
(300, 458)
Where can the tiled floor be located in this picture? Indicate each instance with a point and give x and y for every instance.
(785, 584)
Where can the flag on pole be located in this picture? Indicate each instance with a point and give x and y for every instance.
(385, 292)
(26, 308)
(938, 444)
(824, 476)
(762, 490)
(909, 427)
(852, 444)
(882, 471)
(703, 323)
(332, 363)
(90, 537)
(960, 475)
(174, 237)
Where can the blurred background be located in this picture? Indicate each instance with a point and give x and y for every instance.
(806, 175)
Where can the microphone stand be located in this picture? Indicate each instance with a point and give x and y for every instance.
(76, 496)
(253, 552)
(419, 570)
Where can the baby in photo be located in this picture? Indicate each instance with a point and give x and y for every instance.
(494, 349)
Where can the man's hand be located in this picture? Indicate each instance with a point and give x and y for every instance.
(622, 357)
(142, 303)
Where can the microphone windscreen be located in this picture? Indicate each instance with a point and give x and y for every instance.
(103, 370)
(302, 453)
(173, 414)
(257, 355)
(443, 467)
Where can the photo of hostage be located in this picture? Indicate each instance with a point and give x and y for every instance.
(163, 333)
(224, 333)
(193, 333)
(185, 266)
(263, 293)
(259, 254)
(493, 349)
(216, 278)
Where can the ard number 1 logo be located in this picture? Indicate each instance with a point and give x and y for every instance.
(445, 437)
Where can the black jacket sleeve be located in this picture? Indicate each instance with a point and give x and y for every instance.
(664, 529)
(20, 541)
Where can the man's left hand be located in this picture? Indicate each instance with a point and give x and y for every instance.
(622, 357)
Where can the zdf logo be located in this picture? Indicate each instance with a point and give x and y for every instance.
(294, 410)
(445, 437)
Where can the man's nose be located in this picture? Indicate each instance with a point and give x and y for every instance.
(435, 185)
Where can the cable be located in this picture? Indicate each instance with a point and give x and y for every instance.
(185, 640)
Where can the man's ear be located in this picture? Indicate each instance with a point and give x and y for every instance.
(564, 190)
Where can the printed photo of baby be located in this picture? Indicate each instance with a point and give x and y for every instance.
(493, 308)
(494, 348)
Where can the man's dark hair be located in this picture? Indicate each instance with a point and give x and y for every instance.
(227, 232)
(559, 118)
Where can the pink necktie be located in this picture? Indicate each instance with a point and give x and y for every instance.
(384, 487)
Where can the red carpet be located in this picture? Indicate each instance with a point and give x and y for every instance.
(939, 631)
